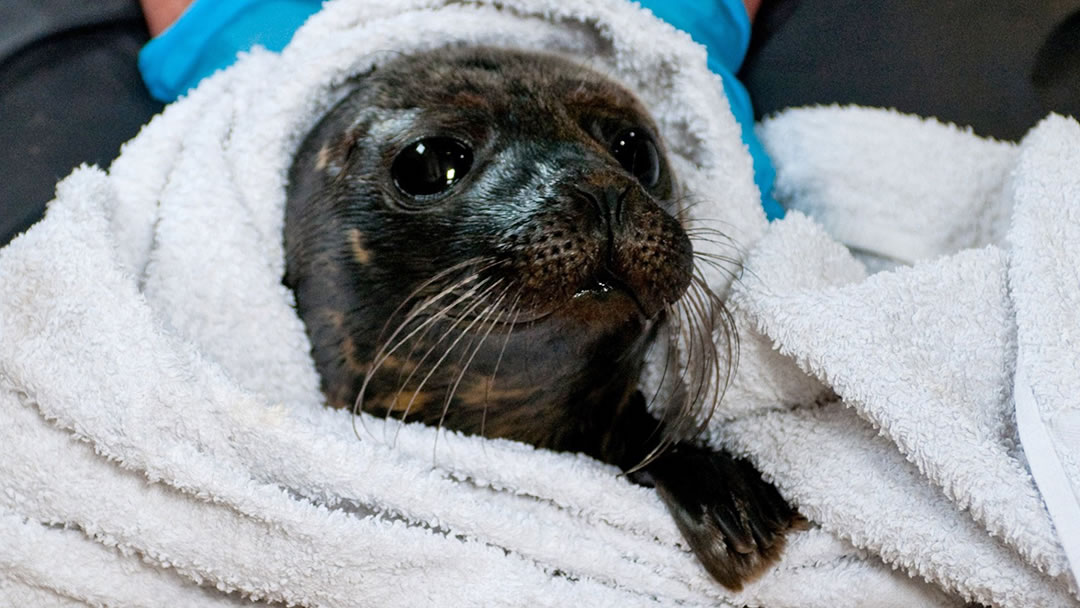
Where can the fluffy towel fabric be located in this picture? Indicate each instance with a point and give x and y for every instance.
(165, 438)
(919, 460)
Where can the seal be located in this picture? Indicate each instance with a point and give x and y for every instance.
(489, 240)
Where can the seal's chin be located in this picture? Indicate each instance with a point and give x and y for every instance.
(607, 305)
(597, 308)
(613, 294)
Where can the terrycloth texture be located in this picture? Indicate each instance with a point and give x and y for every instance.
(165, 440)
(919, 459)
(164, 437)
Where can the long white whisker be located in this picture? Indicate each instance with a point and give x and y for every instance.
(450, 349)
(486, 316)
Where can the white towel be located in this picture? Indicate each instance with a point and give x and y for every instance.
(166, 440)
(920, 460)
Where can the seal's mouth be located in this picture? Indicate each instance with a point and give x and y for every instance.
(605, 285)
(604, 295)
(604, 282)
(599, 303)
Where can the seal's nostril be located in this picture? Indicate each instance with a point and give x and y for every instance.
(611, 201)
(620, 202)
(590, 196)
(608, 201)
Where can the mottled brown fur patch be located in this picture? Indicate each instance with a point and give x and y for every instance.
(479, 394)
(360, 252)
(334, 318)
(402, 366)
(348, 353)
(322, 160)
(398, 403)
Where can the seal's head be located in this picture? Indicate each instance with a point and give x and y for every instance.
(484, 239)
(488, 240)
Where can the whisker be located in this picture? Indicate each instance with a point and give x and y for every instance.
(708, 226)
(736, 256)
(648, 356)
(428, 283)
(384, 353)
(443, 313)
(702, 330)
(716, 257)
(498, 361)
(674, 332)
(381, 356)
(692, 321)
(430, 300)
(440, 315)
(721, 379)
(734, 274)
(671, 318)
(709, 222)
(486, 317)
(731, 334)
(449, 350)
(427, 325)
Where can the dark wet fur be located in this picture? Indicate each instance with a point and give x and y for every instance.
(521, 303)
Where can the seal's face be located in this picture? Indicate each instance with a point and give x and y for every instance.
(487, 240)
(480, 237)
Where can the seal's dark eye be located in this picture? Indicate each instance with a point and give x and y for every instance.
(431, 165)
(637, 153)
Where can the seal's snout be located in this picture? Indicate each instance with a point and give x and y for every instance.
(643, 251)
(606, 200)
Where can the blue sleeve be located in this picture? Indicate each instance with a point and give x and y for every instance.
(209, 35)
(723, 27)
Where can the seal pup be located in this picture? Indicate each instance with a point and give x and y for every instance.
(488, 240)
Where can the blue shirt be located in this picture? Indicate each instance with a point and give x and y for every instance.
(210, 33)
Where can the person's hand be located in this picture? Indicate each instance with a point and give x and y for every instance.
(160, 14)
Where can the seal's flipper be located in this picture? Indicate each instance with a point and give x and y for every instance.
(735, 522)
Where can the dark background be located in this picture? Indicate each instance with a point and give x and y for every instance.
(70, 92)
(995, 65)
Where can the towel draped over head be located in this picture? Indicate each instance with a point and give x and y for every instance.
(165, 438)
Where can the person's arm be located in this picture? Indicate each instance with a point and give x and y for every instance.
(195, 38)
(160, 14)
(752, 7)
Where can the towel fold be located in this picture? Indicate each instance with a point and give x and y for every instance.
(924, 357)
